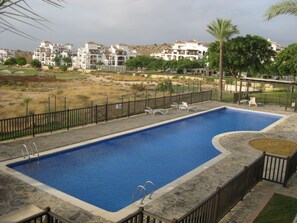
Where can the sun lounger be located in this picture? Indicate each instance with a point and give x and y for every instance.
(174, 105)
(151, 111)
(252, 101)
(185, 106)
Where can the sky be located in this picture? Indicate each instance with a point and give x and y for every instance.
(142, 22)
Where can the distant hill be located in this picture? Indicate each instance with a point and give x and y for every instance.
(146, 50)
(26, 54)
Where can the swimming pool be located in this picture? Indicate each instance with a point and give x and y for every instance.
(106, 173)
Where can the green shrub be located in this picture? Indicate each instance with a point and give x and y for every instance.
(138, 87)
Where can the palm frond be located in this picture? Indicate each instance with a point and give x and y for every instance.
(222, 29)
(20, 11)
(284, 7)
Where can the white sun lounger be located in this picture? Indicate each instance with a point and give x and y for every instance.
(174, 105)
(185, 106)
(252, 101)
(151, 111)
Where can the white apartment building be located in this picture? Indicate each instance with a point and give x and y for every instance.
(47, 51)
(276, 46)
(117, 55)
(192, 50)
(88, 56)
(5, 54)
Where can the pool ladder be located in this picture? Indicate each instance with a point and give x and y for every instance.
(143, 192)
(34, 151)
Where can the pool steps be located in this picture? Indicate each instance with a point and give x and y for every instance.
(142, 189)
(34, 151)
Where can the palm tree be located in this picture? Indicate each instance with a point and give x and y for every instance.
(281, 8)
(222, 29)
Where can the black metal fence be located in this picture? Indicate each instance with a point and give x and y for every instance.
(218, 204)
(289, 101)
(47, 122)
(279, 169)
(45, 217)
(226, 197)
(268, 167)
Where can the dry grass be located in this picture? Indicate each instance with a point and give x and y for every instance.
(93, 89)
(79, 89)
(274, 146)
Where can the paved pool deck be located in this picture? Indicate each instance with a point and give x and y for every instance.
(15, 194)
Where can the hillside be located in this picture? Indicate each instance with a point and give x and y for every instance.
(26, 54)
(149, 49)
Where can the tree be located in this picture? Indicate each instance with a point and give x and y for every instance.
(67, 61)
(284, 7)
(250, 54)
(286, 61)
(19, 11)
(165, 85)
(222, 29)
(21, 61)
(10, 61)
(57, 60)
(36, 63)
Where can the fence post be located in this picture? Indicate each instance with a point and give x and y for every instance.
(140, 220)
(68, 118)
(106, 112)
(145, 102)
(210, 94)
(163, 99)
(128, 108)
(155, 98)
(287, 172)
(216, 214)
(65, 103)
(33, 124)
(48, 210)
(49, 104)
(122, 106)
(96, 114)
(134, 103)
(55, 103)
(191, 97)
(244, 181)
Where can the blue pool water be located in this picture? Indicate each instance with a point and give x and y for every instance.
(106, 173)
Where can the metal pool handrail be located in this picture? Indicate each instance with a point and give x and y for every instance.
(154, 187)
(141, 189)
